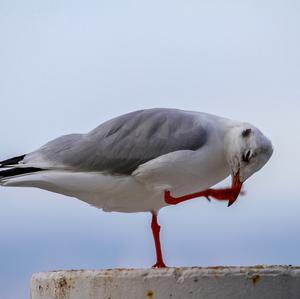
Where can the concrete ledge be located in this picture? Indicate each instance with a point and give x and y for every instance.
(258, 282)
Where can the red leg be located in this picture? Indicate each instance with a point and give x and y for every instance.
(156, 230)
(230, 194)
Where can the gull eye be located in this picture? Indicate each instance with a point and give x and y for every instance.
(247, 156)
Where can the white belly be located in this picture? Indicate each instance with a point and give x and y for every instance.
(110, 193)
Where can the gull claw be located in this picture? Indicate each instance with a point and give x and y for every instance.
(208, 198)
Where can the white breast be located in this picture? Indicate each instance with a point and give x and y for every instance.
(185, 172)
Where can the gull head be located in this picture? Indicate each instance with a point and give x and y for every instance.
(248, 150)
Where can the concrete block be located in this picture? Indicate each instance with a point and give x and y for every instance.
(258, 282)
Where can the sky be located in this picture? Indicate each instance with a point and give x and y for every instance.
(66, 66)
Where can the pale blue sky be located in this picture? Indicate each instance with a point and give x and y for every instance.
(66, 66)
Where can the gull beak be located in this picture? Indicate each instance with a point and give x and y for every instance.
(236, 181)
(236, 187)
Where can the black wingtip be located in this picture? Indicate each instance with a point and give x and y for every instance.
(18, 171)
(11, 161)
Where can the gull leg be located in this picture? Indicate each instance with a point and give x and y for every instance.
(156, 230)
(230, 194)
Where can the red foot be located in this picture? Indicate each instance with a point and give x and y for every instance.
(159, 265)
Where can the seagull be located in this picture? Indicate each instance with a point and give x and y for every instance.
(145, 160)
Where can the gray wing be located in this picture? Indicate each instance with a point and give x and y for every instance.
(120, 145)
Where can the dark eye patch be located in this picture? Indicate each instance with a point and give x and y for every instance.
(246, 133)
(246, 156)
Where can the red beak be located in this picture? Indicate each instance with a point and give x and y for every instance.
(236, 187)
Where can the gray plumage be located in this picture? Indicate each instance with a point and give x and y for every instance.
(120, 145)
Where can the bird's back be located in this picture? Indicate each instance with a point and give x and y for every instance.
(120, 145)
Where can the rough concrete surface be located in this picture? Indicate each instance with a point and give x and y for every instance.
(258, 282)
